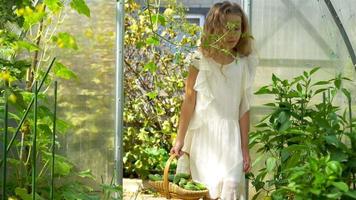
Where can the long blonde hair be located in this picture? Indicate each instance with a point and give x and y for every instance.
(216, 21)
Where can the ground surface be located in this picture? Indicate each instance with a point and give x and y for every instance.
(133, 190)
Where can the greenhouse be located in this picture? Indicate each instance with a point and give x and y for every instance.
(178, 99)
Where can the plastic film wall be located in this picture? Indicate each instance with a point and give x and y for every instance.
(87, 102)
(292, 36)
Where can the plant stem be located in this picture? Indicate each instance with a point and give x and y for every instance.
(4, 185)
(43, 169)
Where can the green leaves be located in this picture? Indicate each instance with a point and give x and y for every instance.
(341, 186)
(314, 70)
(76, 190)
(25, 195)
(299, 88)
(337, 82)
(65, 40)
(332, 139)
(347, 94)
(264, 90)
(86, 174)
(232, 26)
(275, 79)
(159, 18)
(27, 45)
(54, 5)
(152, 95)
(63, 71)
(111, 188)
(31, 15)
(153, 40)
(150, 66)
(81, 7)
(333, 167)
(351, 193)
(63, 167)
(284, 122)
(15, 69)
(321, 83)
(271, 164)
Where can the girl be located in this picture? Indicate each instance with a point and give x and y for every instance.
(214, 120)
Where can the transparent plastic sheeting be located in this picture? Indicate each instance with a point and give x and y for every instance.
(296, 35)
(88, 103)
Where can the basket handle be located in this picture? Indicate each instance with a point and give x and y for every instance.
(165, 175)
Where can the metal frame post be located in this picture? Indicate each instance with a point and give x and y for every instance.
(247, 6)
(119, 91)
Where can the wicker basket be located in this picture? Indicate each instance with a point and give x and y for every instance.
(170, 190)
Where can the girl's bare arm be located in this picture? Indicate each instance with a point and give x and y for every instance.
(187, 109)
(244, 129)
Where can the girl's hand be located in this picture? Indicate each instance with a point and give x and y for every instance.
(246, 161)
(177, 148)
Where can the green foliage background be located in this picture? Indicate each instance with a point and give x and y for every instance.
(155, 69)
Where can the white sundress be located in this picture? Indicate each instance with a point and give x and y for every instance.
(213, 138)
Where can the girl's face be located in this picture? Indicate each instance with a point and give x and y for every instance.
(231, 32)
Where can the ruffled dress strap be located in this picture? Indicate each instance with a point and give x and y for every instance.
(204, 93)
(204, 97)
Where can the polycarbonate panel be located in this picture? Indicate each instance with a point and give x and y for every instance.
(88, 102)
(346, 12)
(296, 35)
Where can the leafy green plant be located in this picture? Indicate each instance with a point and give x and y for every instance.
(156, 47)
(318, 178)
(108, 189)
(300, 128)
(28, 39)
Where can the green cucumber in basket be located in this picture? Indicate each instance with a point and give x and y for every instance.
(190, 186)
(200, 186)
(183, 175)
(182, 182)
(155, 177)
(178, 176)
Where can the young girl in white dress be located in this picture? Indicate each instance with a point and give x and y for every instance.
(214, 120)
